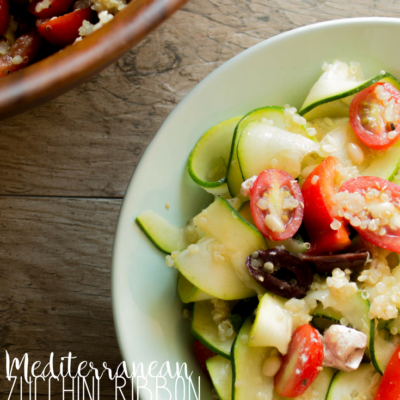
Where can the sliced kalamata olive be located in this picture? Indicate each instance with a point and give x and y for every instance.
(280, 272)
(329, 262)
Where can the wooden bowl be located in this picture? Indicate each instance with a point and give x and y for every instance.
(55, 75)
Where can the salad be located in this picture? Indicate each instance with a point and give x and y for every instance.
(32, 29)
(291, 276)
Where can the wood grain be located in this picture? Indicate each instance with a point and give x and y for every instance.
(55, 272)
(54, 75)
(55, 250)
(87, 142)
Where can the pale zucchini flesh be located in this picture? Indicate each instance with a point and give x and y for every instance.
(293, 245)
(333, 109)
(207, 164)
(262, 146)
(340, 108)
(327, 313)
(190, 293)
(220, 370)
(328, 90)
(389, 78)
(355, 310)
(225, 224)
(205, 329)
(240, 238)
(245, 212)
(234, 175)
(198, 267)
(356, 383)
(395, 323)
(322, 317)
(273, 324)
(386, 165)
(333, 101)
(165, 236)
(247, 377)
(384, 346)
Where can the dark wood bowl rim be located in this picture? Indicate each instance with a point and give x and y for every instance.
(54, 75)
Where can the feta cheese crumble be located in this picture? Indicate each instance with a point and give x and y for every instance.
(344, 347)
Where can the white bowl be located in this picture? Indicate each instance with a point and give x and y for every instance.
(278, 71)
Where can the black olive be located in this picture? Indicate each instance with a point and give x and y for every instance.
(242, 310)
(392, 126)
(328, 263)
(280, 272)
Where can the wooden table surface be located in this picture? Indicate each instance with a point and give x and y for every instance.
(65, 167)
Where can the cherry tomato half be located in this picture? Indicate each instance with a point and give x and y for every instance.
(56, 8)
(382, 211)
(375, 115)
(26, 46)
(203, 353)
(318, 190)
(64, 30)
(276, 204)
(300, 366)
(389, 387)
(4, 14)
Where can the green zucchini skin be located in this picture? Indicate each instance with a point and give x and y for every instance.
(190, 293)
(233, 174)
(385, 166)
(385, 77)
(322, 318)
(205, 329)
(212, 145)
(223, 225)
(220, 371)
(347, 93)
(247, 367)
(382, 350)
(165, 236)
(356, 382)
(149, 236)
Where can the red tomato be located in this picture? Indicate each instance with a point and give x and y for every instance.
(389, 387)
(4, 10)
(318, 189)
(389, 238)
(203, 353)
(300, 366)
(370, 121)
(57, 7)
(63, 31)
(26, 46)
(282, 212)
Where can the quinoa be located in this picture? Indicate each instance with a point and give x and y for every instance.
(42, 5)
(220, 315)
(112, 6)
(87, 28)
(17, 60)
(339, 283)
(106, 9)
(300, 312)
(4, 48)
(221, 310)
(381, 285)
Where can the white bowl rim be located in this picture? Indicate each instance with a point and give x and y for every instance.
(344, 21)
